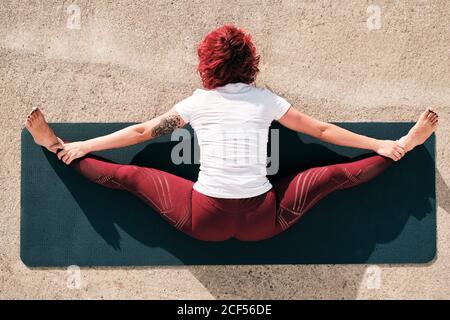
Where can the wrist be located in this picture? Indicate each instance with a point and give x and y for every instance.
(375, 145)
(87, 146)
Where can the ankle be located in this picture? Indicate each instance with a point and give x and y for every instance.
(56, 147)
(405, 141)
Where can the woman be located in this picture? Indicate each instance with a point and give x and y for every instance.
(231, 198)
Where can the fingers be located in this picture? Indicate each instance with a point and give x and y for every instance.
(65, 158)
(61, 154)
(399, 150)
(69, 152)
(393, 157)
(69, 157)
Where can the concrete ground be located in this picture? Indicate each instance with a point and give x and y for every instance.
(131, 60)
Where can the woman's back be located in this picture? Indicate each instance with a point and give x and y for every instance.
(231, 124)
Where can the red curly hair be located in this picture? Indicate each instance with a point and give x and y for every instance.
(227, 55)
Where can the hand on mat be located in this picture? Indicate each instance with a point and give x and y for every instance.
(391, 149)
(72, 151)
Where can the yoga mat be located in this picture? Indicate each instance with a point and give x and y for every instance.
(67, 220)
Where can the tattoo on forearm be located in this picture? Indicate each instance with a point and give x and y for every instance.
(166, 126)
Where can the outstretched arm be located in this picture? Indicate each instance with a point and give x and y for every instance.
(161, 125)
(297, 121)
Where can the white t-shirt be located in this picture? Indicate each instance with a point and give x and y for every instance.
(232, 127)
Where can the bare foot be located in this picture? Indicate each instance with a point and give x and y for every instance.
(422, 130)
(42, 134)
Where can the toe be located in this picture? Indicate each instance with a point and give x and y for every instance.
(39, 113)
(425, 114)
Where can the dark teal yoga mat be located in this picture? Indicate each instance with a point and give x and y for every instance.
(67, 220)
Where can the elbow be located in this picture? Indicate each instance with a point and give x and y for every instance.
(322, 130)
(140, 134)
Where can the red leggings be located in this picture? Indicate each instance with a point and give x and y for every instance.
(214, 219)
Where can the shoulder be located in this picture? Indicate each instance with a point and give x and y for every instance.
(200, 91)
(264, 91)
(266, 95)
(196, 94)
